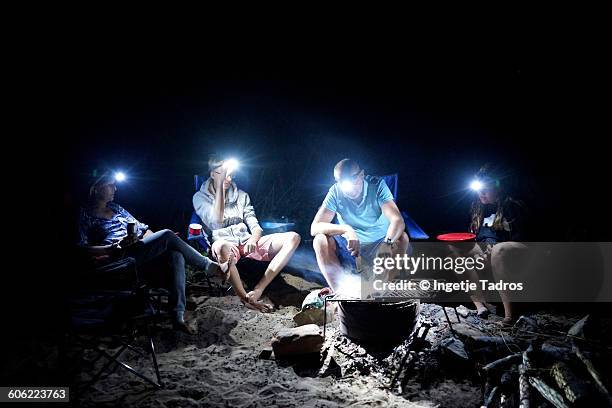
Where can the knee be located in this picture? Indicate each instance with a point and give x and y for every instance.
(505, 251)
(222, 250)
(403, 239)
(320, 242)
(167, 234)
(294, 238)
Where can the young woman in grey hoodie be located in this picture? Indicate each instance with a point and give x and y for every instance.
(236, 233)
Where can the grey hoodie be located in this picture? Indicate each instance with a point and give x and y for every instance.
(238, 213)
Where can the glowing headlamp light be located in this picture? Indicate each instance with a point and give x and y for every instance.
(230, 165)
(346, 186)
(476, 185)
(120, 176)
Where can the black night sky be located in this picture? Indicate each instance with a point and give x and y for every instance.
(434, 125)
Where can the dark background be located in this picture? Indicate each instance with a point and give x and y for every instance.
(433, 124)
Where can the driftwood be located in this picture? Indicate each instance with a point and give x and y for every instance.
(524, 397)
(547, 367)
(576, 391)
(501, 391)
(492, 396)
(547, 392)
(503, 362)
(508, 379)
(591, 369)
(555, 353)
(491, 346)
(524, 389)
(489, 385)
(506, 401)
(492, 340)
(577, 330)
(525, 322)
(527, 358)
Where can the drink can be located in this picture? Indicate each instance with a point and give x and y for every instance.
(131, 229)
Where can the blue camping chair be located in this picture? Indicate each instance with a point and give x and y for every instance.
(412, 228)
(199, 241)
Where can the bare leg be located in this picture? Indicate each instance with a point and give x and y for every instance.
(329, 265)
(223, 251)
(400, 248)
(482, 307)
(282, 248)
(506, 261)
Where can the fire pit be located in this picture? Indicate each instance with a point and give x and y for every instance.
(376, 322)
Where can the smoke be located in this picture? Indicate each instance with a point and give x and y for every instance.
(303, 263)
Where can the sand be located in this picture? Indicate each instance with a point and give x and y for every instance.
(221, 366)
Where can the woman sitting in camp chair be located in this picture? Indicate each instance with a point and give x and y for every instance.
(103, 228)
(228, 212)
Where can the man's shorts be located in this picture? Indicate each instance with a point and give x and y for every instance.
(367, 251)
(261, 252)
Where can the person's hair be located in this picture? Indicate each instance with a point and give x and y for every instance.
(345, 166)
(105, 178)
(503, 200)
(213, 163)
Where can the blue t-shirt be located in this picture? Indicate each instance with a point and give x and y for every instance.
(100, 231)
(365, 216)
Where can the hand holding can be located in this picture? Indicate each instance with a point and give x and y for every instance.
(131, 229)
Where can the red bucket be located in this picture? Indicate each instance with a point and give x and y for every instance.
(456, 237)
(195, 229)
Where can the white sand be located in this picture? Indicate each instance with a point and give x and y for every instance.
(220, 366)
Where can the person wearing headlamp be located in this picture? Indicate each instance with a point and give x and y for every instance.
(499, 222)
(369, 223)
(103, 229)
(236, 233)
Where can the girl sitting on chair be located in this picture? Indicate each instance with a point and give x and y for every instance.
(228, 212)
(103, 228)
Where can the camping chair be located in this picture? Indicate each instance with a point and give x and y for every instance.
(255, 268)
(412, 228)
(110, 306)
(200, 242)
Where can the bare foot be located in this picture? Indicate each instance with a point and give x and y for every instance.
(254, 295)
(257, 305)
(483, 310)
(223, 269)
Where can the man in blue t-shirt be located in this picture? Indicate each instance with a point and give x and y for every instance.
(369, 223)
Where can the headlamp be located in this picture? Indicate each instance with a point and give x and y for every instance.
(346, 186)
(120, 176)
(230, 165)
(476, 185)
